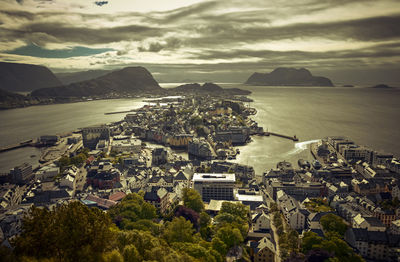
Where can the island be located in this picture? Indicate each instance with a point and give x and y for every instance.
(288, 77)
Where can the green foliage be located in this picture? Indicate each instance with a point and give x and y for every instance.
(390, 204)
(134, 213)
(113, 256)
(273, 207)
(318, 205)
(196, 251)
(333, 223)
(131, 254)
(333, 244)
(178, 230)
(192, 199)
(236, 209)
(231, 237)
(219, 246)
(70, 232)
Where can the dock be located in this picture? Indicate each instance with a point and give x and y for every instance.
(293, 138)
(16, 146)
(120, 112)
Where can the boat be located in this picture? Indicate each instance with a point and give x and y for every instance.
(33, 156)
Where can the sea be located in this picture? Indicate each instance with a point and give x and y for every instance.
(368, 116)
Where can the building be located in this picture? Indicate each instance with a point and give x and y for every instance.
(263, 250)
(158, 197)
(214, 186)
(180, 140)
(199, 148)
(373, 245)
(69, 177)
(260, 221)
(126, 145)
(92, 135)
(159, 156)
(47, 172)
(21, 174)
(49, 140)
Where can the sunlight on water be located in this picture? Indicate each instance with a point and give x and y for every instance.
(301, 146)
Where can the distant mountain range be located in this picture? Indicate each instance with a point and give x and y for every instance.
(110, 84)
(24, 78)
(288, 77)
(130, 80)
(74, 77)
(207, 88)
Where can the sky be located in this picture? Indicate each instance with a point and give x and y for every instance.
(350, 41)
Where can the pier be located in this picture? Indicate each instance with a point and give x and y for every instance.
(15, 146)
(293, 138)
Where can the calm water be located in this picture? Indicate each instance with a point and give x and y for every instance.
(368, 116)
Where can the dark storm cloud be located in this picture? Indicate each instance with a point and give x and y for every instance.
(60, 32)
(377, 51)
(368, 29)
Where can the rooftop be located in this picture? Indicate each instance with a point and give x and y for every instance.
(209, 177)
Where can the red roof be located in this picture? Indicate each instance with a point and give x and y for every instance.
(117, 196)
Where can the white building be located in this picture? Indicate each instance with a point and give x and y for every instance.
(260, 221)
(47, 172)
(69, 177)
(214, 186)
(127, 145)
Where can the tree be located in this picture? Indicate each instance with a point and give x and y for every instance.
(131, 254)
(309, 240)
(230, 237)
(71, 232)
(131, 212)
(236, 209)
(192, 199)
(219, 246)
(178, 230)
(333, 223)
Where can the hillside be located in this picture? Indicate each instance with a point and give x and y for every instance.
(130, 80)
(24, 77)
(288, 77)
(74, 77)
(10, 100)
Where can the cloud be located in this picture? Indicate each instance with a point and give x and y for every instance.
(36, 51)
(167, 44)
(100, 3)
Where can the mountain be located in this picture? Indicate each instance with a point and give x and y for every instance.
(207, 88)
(381, 86)
(288, 77)
(130, 80)
(73, 77)
(24, 77)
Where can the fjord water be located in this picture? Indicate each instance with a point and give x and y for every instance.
(369, 116)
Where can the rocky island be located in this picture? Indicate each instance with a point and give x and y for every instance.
(288, 77)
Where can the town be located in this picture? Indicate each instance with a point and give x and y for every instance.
(348, 196)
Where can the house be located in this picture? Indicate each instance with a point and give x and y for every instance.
(69, 177)
(260, 221)
(295, 214)
(263, 250)
(158, 198)
(370, 223)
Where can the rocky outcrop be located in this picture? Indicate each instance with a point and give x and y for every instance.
(288, 77)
